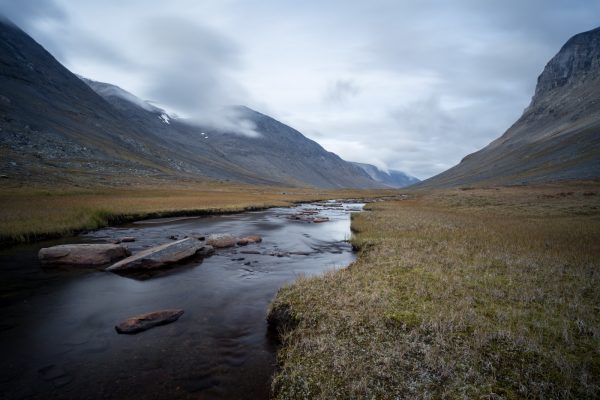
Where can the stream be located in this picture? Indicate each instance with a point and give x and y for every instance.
(57, 333)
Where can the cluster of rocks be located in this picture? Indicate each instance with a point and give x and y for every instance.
(309, 215)
(98, 254)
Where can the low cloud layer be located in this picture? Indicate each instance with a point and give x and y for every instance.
(409, 85)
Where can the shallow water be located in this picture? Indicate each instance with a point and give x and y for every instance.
(57, 325)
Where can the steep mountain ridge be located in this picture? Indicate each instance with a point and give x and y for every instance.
(558, 135)
(56, 127)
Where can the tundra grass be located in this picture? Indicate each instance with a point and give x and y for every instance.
(483, 294)
(28, 214)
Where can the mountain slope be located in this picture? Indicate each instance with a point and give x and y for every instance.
(558, 135)
(391, 178)
(56, 127)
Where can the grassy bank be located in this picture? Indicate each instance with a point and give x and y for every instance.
(487, 293)
(29, 214)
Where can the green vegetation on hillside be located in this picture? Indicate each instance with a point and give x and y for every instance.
(484, 293)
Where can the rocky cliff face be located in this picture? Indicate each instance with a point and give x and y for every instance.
(558, 135)
(575, 64)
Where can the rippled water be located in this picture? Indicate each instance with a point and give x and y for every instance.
(57, 326)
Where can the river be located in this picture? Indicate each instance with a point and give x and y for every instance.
(57, 325)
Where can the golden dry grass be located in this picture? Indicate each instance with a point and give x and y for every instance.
(28, 214)
(485, 294)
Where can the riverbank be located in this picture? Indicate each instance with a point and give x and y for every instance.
(483, 293)
(32, 214)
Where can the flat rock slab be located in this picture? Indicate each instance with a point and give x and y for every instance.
(143, 322)
(159, 256)
(82, 254)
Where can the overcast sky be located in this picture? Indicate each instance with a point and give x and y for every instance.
(408, 85)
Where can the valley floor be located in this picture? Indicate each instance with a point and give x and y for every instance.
(32, 213)
(484, 293)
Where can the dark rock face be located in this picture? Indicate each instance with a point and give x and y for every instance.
(576, 63)
(160, 256)
(391, 178)
(82, 254)
(556, 138)
(146, 321)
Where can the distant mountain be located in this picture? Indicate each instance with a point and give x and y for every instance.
(57, 127)
(558, 135)
(391, 178)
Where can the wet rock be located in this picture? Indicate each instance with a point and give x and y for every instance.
(205, 251)
(246, 240)
(279, 254)
(143, 322)
(299, 253)
(221, 241)
(82, 254)
(317, 220)
(127, 239)
(159, 256)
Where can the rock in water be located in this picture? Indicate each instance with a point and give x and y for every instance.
(220, 241)
(82, 254)
(249, 240)
(159, 256)
(143, 322)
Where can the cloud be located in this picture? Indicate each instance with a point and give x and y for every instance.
(191, 72)
(341, 90)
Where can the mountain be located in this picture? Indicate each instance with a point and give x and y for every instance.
(58, 127)
(391, 178)
(558, 135)
(278, 153)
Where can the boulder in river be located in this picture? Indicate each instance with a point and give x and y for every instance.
(82, 254)
(249, 240)
(221, 240)
(143, 322)
(159, 256)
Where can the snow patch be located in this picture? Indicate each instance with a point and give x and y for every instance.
(164, 118)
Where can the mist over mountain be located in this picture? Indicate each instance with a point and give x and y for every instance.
(58, 127)
(558, 135)
(391, 178)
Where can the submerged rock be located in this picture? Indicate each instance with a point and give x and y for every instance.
(220, 241)
(82, 254)
(249, 240)
(143, 322)
(159, 256)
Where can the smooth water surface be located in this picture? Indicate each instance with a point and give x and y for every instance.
(57, 325)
